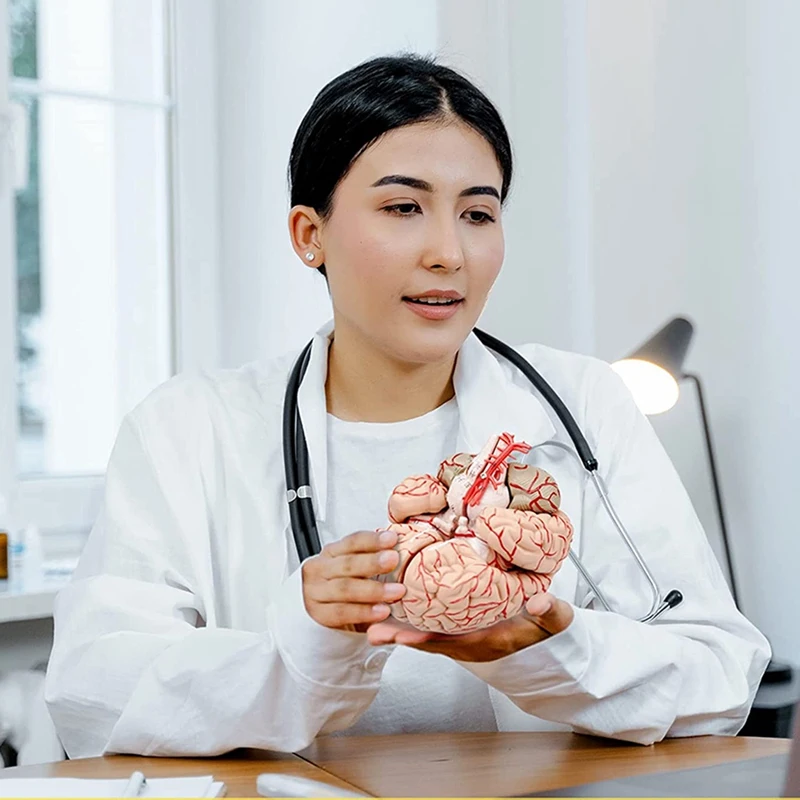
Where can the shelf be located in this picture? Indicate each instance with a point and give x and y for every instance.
(19, 604)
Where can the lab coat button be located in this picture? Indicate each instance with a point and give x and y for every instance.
(376, 660)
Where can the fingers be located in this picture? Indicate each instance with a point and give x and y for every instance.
(360, 565)
(350, 603)
(549, 613)
(362, 542)
(355, 590)
(348, 615)
(339, 590)
(364, 554)
(391, 632)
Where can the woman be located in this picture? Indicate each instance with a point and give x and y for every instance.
(189, 627)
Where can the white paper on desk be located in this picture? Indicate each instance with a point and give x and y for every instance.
(204, 786)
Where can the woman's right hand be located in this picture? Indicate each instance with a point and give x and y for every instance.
(339, 586)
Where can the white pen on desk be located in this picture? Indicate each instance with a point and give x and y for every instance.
(135, 785)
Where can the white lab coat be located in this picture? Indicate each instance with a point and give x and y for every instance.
(184, 630)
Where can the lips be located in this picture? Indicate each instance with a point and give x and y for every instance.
(435, 296)
(435, 304)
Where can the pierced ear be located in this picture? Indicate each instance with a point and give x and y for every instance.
(305, 229)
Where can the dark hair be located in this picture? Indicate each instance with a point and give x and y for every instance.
(362, 104)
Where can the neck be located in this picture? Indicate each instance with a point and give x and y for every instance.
(366, 385)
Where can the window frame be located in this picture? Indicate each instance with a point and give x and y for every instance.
(65, 506)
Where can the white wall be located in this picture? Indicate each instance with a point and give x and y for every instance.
(274, 58)
(527, 57)
(772, 420)
(693, 198)
(670, 186)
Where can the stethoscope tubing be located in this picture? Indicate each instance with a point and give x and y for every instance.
(298, 480)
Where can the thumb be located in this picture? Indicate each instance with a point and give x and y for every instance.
(549, 613)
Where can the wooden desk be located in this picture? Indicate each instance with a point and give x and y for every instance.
(238, 770)
(507, 764)
(471, 764)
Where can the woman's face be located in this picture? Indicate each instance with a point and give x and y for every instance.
(414, 241)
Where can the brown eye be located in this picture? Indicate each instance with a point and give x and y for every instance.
(403, 209)
(480, 217)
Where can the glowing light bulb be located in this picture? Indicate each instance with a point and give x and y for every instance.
(653, 388)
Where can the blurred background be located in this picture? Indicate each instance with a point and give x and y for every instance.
(143, 151)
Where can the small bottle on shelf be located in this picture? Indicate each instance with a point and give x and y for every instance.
(3, 541)
(17, 558)
(3, 556)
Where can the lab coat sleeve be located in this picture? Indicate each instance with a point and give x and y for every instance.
(694, 671)
(135, 668)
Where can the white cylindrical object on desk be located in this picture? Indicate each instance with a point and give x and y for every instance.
(279, 784)
(135, 785)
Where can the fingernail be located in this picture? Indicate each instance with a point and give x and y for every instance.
(540, 609)
(387, 558)
(393, 590)
(380, 608)
(387, 538)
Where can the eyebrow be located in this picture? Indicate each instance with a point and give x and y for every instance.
(424, 186)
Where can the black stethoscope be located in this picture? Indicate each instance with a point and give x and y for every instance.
(298, 478)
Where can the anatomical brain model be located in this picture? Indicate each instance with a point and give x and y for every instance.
(477, 541)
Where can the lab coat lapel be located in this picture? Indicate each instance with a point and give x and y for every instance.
(313, 412)
(490, 403)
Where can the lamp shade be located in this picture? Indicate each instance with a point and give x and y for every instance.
(653, 370)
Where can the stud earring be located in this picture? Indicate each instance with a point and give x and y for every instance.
(309, 256)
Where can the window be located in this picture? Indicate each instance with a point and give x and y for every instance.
(92, 245)
(93, 199)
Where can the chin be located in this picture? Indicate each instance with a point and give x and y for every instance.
(429, 347)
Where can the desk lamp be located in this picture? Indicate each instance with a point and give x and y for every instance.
(653, 373)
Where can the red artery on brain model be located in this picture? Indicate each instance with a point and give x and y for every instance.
(478, 540)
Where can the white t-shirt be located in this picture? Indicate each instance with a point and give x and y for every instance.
(420, 692)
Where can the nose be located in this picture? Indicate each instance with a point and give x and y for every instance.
(444, 250)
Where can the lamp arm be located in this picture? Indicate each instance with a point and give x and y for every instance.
(715, 480)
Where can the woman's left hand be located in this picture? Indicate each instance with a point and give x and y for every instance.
(544, 616)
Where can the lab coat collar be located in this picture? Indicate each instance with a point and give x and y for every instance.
(489, 403)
